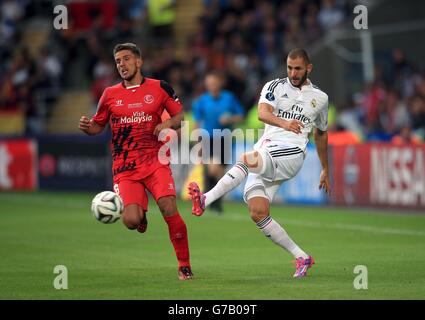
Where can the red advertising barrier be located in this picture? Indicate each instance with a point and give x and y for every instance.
(17, 165)
(351, 174)
(379, 175)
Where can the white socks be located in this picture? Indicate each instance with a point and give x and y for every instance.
(268, 226)
(228, 182)
(278, 235)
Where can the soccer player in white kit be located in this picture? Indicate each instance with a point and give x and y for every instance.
(290, 108)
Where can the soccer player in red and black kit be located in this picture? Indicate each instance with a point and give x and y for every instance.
(133, 109)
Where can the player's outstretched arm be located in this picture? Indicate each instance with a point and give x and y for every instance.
(321, 140)
(265, 114)
(89, 127)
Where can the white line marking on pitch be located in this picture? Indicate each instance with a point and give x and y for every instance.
(337, 225)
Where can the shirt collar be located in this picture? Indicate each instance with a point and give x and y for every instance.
(309, 85)
(135, 86)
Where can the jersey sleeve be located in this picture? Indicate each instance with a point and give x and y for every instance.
(268, 95)
(171, 101)
(103, 113)
(321, 122)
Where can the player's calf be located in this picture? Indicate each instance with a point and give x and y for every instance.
(167, 205)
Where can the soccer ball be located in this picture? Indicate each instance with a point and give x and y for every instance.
(107, 207)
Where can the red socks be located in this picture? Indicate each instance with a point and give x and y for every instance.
(178, 236)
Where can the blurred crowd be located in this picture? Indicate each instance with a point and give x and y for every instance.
(392, 108)
(26, 81)
(246, 40)
(78, 57)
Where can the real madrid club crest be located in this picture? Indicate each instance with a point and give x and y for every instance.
(313, 103)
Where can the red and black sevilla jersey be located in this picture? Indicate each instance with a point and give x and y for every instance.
(133, 113)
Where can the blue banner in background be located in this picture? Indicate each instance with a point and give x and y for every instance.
(302, 189)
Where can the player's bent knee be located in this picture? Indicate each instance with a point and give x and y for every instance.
(249, 157)
(258, 211)
(131, 217)
(252, 160)
(167, 205)
(130, 222)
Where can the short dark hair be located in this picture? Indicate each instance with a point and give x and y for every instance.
(128, 46)
(297, 53)
(216, 73)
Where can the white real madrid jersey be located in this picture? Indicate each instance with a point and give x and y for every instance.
(308, 105)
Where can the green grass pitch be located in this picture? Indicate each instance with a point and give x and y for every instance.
(230, 257)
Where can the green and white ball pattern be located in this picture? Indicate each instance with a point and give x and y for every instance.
(107, 207)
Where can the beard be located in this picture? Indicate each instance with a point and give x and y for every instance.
(130, 76)
(301, 80)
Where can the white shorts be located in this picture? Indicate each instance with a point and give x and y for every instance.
(282, 162)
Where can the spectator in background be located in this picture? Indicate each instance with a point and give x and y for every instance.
(349, 116)
(339, 135)
(406, 136)
(48, 83)
(312, 26)
(50, 65)
(135, 10)
(373, 96)
(216, 109)
(161, 18)
(393, 114)
(104, 76)
(419, 84)
(330, 15)
(17, 87)
(417, 111)
(401, 74)
(18, 81)
(11, 12)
